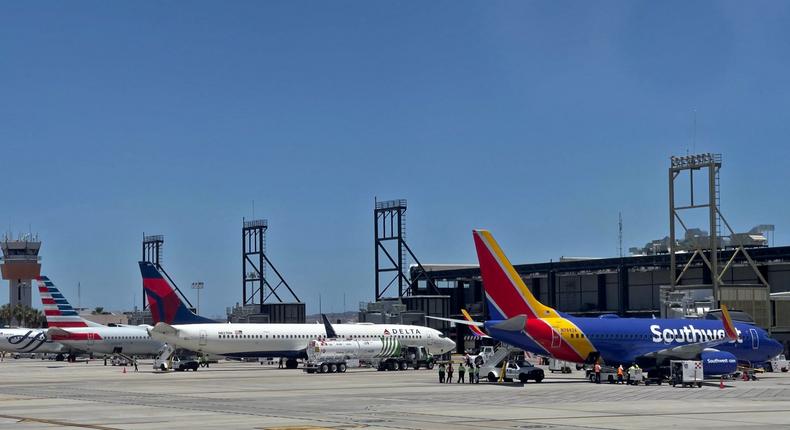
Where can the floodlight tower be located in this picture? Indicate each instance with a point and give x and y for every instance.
(20, 266)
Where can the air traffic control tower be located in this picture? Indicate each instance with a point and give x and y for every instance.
(20, 266)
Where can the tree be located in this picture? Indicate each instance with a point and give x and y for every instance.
(98, 310)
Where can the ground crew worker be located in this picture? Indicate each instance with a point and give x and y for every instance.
(281, 363)
(134, 361)
(461, 372)
(630, 372)
(441, 373)
(477, 373)
(597, 369)
(450, 372)
(620, 374)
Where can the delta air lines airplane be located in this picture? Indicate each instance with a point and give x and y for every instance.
(179, 326)
(519, 319)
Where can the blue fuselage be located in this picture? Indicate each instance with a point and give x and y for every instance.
(625, 340)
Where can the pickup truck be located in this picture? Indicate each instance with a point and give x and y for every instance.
(520, 370)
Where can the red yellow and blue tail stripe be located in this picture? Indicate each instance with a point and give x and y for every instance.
(509, 297)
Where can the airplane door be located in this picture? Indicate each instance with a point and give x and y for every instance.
(203, 338)
(755, 338)
(555, 339)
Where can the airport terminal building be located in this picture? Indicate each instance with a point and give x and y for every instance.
(632, 286)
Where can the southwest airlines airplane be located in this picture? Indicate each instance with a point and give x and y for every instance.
(77, 333)
(178, 326)
(522, 321)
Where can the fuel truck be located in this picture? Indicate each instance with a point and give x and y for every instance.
(336, 355)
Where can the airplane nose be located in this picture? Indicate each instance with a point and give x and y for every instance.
(776, 348)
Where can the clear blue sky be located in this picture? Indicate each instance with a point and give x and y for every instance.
(537, 120)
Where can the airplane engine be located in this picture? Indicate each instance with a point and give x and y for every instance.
(717, 363)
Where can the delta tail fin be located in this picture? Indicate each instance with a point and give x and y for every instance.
(163, 299)
(506, 294)
(330, 331)
(58, 310)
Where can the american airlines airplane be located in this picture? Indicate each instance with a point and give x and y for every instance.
(519, 319)
(177, 325)
(75, 332)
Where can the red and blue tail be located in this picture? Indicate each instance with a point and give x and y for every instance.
(57, 309)
(163, 300)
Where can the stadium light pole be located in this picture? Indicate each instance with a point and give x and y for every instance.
(198, 286)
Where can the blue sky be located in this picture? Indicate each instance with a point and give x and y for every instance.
(537, 120)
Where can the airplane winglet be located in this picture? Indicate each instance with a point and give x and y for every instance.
(729, 327)
(473, 328)
(330, 331)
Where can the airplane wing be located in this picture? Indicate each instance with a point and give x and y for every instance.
(691, 351)
(57, 331)
(164, 329)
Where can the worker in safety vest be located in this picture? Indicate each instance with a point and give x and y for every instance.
(620, 374)
(441, 373)
(597, 369)
(461, 373)
(449, 372)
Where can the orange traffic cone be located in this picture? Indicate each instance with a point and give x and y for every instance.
(124, 369)
(721, 382)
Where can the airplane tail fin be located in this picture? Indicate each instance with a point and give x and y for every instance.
(163, 299)
(58, 310)
(506, 293)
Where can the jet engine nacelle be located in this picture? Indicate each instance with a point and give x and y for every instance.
(717, 363)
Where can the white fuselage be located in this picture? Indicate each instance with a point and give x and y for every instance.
(129, 340)
(290, 340)
(27, 340)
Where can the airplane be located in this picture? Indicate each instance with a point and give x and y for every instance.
(179, 326)
(519, 319)
(77, 333)
(27, 341)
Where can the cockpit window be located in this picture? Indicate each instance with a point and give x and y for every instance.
(442, 336)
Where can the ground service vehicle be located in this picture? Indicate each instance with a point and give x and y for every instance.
(777, 364)
(335, 355)
(516, 370)
(686, 373)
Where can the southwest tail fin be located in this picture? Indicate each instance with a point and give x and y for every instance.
(57, 309)
(506, 293)
(163, 300)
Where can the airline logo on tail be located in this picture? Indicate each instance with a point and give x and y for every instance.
(473, 328)
(163, 300)
(509, 299)
(57, 309)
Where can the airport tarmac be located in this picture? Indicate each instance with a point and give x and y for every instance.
(37, 394)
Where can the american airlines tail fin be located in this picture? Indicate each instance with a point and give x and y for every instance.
(163, 300)
(506, 293)
(57, 309)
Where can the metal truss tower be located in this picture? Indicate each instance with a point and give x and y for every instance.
(152, 253)
(711, 163)
(256, 288)
(389, 227)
